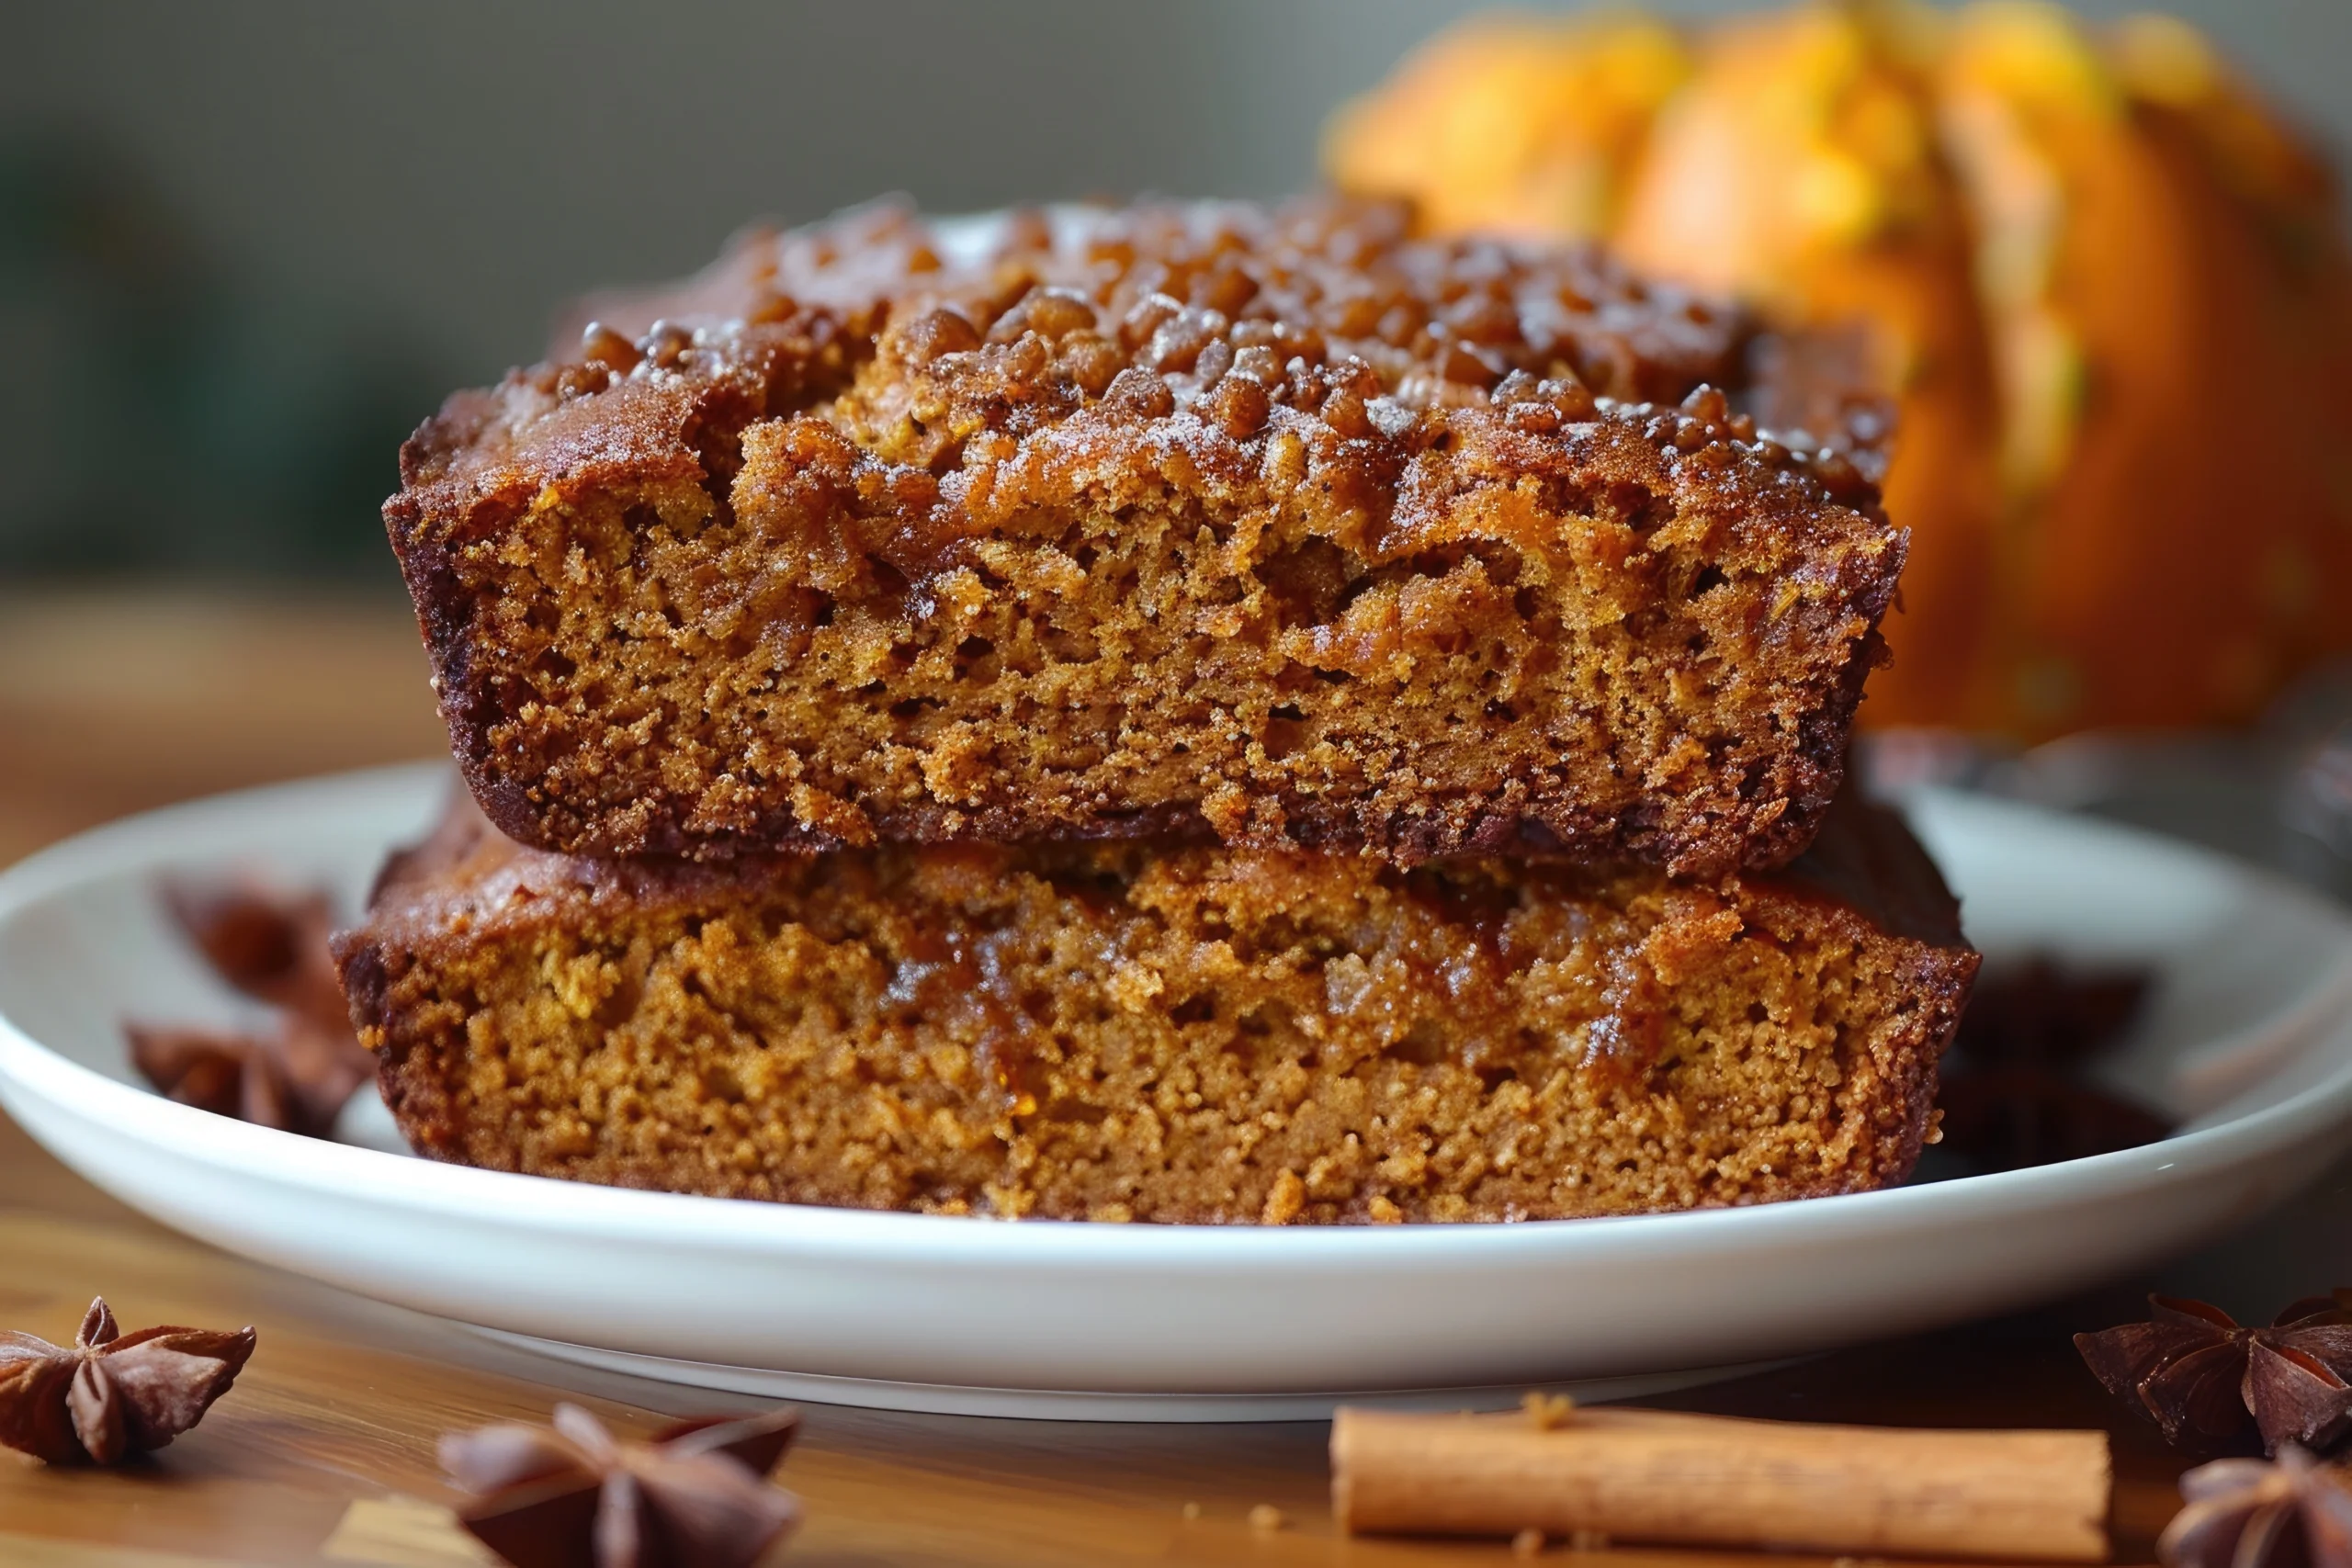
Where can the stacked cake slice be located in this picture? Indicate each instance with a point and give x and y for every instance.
(1195, 713)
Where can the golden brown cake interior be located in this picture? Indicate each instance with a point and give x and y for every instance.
(1120, 1031)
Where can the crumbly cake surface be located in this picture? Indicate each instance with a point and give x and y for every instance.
(1282, 527)
(1209, 1034)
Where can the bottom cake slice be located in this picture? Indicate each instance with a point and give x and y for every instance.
(1123, 1032)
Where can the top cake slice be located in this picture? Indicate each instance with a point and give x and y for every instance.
(1280, 525)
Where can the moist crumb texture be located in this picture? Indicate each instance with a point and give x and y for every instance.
(1201, 1034)
(1279, 528)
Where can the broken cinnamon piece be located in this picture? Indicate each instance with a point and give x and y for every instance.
(1669, 1478)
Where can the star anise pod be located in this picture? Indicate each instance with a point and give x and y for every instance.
(2204, 1377)
(2010, 1117)
(2250, 1513)
(269, 944)
(575, 1496)
(2016, 1092)
(2043, 1014)
(292, 1077)
(110, 1394)
(295, 1076)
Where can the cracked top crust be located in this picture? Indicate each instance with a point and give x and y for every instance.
(916, 339)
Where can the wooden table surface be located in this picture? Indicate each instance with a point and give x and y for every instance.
(323, 1452)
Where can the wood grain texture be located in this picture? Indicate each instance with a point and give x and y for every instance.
(110, 704)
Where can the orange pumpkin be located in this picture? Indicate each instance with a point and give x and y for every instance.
(2108, 289)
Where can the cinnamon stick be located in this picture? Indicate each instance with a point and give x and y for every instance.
(1654, 1475)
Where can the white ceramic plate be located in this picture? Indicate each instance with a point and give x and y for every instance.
(2249, 1036)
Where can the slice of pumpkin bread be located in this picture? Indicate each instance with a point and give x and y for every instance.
(1282, 528)
(1122, 1031)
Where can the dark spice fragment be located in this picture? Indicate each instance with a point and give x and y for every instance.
(2015, 1089)
(295, 1076)
(2246, 1513)
(110, 1394)
(2042, 1014)
(572, 1495)
(2013, 1118)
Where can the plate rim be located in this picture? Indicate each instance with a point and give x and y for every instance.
(434, 1189)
